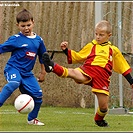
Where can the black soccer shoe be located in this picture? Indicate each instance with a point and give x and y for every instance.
(48, 63)
(101, 123)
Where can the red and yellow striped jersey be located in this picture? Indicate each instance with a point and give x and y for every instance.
(104, 55)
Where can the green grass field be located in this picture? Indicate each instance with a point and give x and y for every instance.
(59, 119)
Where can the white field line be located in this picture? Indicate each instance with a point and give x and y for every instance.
(8, 112)
(82, 113)
(63, 112)
(60, 112)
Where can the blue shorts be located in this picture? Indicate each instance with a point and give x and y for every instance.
(28, 82)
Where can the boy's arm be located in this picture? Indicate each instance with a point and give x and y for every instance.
(64, 47)
(42, 74)
(66, 51)
(74, 57)
(121, 66)
(129, 79)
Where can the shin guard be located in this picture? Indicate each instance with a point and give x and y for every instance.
(100, 114)
(60, 71)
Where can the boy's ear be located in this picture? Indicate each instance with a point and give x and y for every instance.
(16, 24)
(110, 34)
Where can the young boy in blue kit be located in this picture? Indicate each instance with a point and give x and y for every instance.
(25, 47)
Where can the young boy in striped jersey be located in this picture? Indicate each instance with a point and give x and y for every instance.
(99, 58)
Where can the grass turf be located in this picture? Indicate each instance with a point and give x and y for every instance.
(62, 119)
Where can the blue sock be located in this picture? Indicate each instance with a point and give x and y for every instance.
(34, 113)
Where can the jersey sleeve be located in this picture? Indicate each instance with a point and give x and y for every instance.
(42, 49)
(8, 45)
(120, 65)
(74, 57)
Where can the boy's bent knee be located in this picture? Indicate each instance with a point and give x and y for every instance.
(38, 100)
(11, 86)
(104, 110)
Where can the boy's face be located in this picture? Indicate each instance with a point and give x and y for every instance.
(101, 35)
(26, 27)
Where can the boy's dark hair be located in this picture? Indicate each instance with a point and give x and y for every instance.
(24, 16)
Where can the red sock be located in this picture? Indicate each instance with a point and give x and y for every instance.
(58, 70)
(98, 117)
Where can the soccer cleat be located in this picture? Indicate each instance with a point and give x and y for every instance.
(35, 122)
(48, 63)
(101, 123)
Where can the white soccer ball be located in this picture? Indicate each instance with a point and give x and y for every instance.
(24, 103)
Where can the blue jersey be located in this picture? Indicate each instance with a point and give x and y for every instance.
(24, 51)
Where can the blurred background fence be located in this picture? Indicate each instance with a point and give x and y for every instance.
(73, 22)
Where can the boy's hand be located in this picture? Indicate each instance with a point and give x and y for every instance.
(132, 86)
(41, 77)
(64, 45)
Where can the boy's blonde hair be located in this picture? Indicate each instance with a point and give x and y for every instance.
(105, 25)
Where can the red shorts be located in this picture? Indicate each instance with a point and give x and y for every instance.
(98, 78)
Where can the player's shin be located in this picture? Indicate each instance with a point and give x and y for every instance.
(100, 114)
(34, 113)
(60, 70)
(7, 90)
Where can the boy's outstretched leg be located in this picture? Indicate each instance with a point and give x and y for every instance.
(50, 66)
